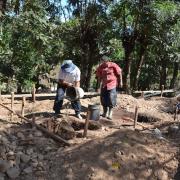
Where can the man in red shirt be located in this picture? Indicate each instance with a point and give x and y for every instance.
(110, 77)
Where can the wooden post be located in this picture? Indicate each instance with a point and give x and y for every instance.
(142, 94)
(162, 89)
(176, 113)
(23, 104)
(86, 123)
(33, 113)
(135, 116)
(33, 93)
(0, 95)
(49, 125)
(50, 87)
(12, 104)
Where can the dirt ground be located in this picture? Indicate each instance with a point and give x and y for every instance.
(114, 151)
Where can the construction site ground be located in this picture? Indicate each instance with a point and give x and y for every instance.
(114, 151)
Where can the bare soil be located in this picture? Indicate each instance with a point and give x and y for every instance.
(115, 151)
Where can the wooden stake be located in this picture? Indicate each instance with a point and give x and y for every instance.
(54, 84)
(49, 125)
(12, 104)
(0, 95)
(53, 136)
(162, 89)
(135, 117)
(176, 112)
(23, 105)
(33, 93)
(86, 124)
(50, 87)
(142, 94)
(33, 113)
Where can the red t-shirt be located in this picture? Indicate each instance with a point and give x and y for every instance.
(108, 72)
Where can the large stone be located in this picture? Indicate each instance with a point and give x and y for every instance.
(38, 134)
(13, 172)
(28, 170)
(4, 165)
(2, 175)
(5, 140)
(29, 151)
(65, 130)
(24, 158)
(20, 135)
(161, 174)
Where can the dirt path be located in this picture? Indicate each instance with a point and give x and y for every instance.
(115, 151)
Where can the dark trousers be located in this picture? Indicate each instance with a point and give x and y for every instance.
(76, 105)
(108, 97)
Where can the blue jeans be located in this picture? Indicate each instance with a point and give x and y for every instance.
(76, 105)
(108, 97)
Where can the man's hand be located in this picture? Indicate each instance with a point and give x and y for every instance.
(120, 85)
(69, 84)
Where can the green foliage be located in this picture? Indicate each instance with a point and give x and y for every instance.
(35, 35)
(28, 45)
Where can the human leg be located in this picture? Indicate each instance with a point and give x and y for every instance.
(58, 100)
(76, 105)
(112, 102)
(104, 101)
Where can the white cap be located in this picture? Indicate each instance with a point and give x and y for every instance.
(67, 61)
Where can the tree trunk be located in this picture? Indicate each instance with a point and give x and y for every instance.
(139, 66)
(127, 71)
(19, 89)
(87, 72)
(163, 74)
(175, 74)
(2, 6)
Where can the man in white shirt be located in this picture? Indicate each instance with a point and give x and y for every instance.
(69, 75)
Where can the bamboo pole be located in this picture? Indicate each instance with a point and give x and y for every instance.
(12, 105)
(34, 93)
(162, 89)
(53, 136)
(135, 116)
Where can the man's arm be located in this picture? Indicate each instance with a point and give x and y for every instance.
(64, 83)
(120, 80)
(118, 73)
(76, 83)
(99, 84)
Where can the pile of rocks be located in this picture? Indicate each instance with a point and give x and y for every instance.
(22, 155)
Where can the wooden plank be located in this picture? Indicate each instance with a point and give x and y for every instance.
(158, 91)
(86, 95)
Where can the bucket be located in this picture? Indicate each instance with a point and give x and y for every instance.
(71, 93)
(74, 93)
(94, 112)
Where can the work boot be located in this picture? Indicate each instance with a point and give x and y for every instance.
(110, 114)
(105, 111)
